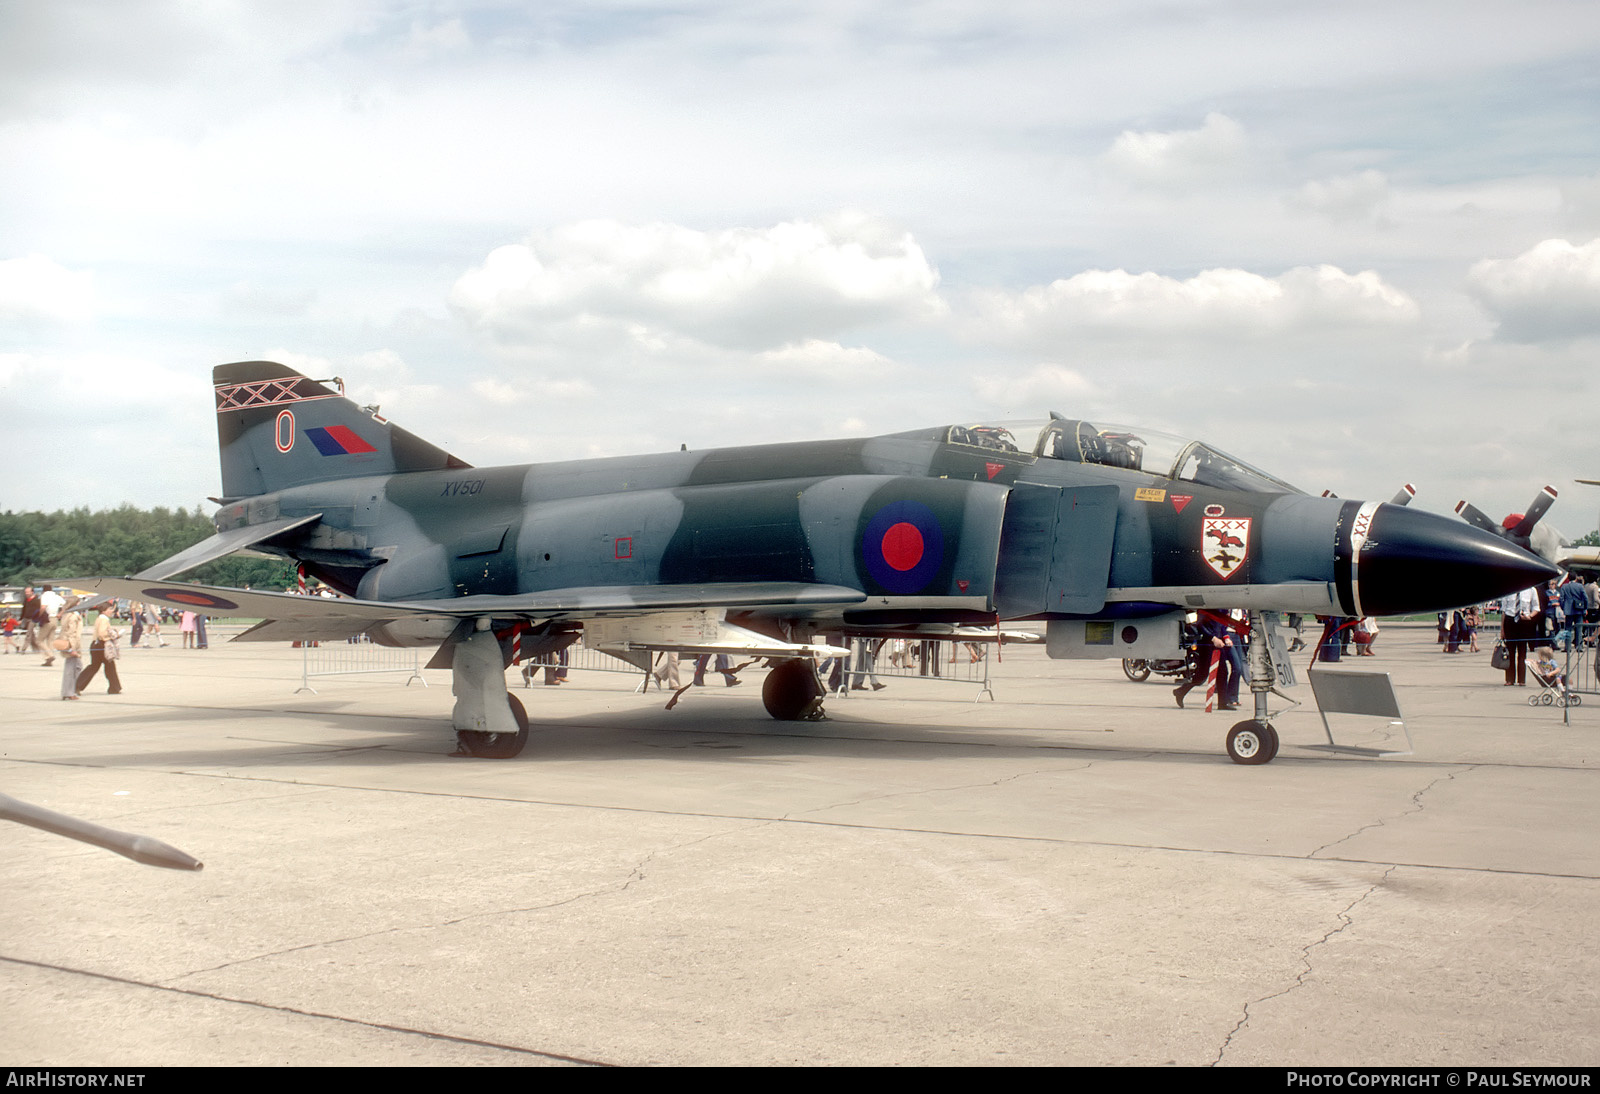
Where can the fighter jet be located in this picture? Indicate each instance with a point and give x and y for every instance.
(1105, 534)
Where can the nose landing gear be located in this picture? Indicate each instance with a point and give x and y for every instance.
(1252, 742)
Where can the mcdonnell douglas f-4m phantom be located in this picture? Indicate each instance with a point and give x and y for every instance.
(1107, 535)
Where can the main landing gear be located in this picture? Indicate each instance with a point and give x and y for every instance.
(497, 746)
(489, 721)
(792, 692)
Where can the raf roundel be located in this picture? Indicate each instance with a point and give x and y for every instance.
(193, 598)
(903, 547)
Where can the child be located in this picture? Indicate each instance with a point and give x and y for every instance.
(1544, 663)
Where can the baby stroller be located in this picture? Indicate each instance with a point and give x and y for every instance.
(1553, 690)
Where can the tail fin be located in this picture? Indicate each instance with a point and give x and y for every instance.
(277, 428)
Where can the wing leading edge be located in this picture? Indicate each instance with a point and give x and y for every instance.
(290, 616)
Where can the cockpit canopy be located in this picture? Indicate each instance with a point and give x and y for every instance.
(1145, 450)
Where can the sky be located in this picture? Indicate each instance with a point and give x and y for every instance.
(1356, 244)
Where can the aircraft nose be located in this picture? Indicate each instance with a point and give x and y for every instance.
(1414, 561)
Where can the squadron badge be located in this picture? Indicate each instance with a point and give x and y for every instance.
(1224, 542)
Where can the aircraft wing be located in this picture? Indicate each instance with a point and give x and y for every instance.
(314, 617)
(624, 600)
(946, 632)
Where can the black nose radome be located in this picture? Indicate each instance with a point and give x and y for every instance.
(1414, 561)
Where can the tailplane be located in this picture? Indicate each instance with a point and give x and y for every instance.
(277, 428)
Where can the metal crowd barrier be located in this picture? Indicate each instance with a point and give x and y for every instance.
(1582, 665)
(575, 658)
(944, 662)
(355, 657)
(1578, 666)
(913, 659)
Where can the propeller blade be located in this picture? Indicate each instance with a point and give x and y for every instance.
(1404, 495)
(1540, 506)
(1474, 516)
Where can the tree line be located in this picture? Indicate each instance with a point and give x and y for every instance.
(37, 547)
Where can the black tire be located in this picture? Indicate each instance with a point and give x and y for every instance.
(1252, 742)
(1135, 670)
(497, 746)
(791, 692)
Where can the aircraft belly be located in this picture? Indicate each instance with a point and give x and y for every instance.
(1149, 638)
(1310, 597)
(412, 632)
(694, 632)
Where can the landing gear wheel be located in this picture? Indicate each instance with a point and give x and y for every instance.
(791, 692)
(1252, 742)
(497, 746)
(1137, 671)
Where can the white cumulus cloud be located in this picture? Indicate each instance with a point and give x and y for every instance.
(37, 287)
(1181, 156)
(1551, 291)
(1049, 385)
(1228, 303)
(1344, 198)
(818, 357)
(749, 288)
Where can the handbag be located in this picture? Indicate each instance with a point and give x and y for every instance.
(1500, 659)
(60, 644)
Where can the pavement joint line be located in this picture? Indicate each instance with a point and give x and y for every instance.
(385, 1026)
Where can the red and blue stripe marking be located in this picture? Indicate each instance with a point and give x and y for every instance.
(337, 440)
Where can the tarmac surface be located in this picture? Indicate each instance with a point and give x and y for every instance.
(1072, 874)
